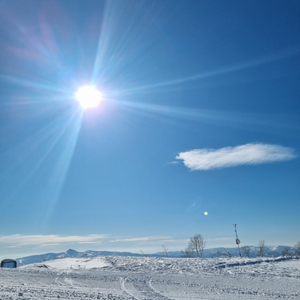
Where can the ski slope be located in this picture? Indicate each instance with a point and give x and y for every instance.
(141, 278)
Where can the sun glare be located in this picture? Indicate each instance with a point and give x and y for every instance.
(88, 97)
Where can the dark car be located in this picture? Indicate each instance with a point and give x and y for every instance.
(8, 263)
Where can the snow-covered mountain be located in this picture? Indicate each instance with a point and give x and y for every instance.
(270, 251)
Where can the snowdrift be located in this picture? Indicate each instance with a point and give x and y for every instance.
(141, 278)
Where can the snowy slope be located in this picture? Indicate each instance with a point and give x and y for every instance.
(270, 251)
(72, 263)
(70, 253)
(141, 278)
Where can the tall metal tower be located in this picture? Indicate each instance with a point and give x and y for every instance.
(237, 239)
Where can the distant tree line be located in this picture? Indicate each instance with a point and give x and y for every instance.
(196, 246)
(197, 243)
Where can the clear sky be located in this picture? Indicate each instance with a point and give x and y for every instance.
(199, 113)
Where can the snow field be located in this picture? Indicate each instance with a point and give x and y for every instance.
(141, 278)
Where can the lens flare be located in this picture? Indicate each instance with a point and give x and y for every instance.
(88, 97)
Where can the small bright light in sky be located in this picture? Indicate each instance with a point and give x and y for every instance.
(206, 213)
(88, 96)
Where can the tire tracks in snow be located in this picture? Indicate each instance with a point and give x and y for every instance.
(67, 281)
(141, 289)
(57, 281)
(123, 280)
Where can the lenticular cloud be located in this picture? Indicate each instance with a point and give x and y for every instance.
(249, 154)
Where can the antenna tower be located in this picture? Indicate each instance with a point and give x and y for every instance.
(237, 239)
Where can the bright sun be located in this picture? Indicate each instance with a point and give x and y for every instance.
(88, 96)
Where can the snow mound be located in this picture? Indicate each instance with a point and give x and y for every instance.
(72, 263)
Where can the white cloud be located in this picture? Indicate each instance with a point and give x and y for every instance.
(49, 245)
(140, 239)
(249, 154)
(219, 239)
(18, 240)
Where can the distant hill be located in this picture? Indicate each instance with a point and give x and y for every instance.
(70, 253)
(270, 251)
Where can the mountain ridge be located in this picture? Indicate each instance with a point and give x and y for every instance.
(270, 251)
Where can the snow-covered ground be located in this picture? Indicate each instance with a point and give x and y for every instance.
(110, 277)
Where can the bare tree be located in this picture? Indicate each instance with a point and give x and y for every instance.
(228, 254)
(223, 253)
(286, 251)
(261, 250)
(197, 243)
(188, 252)
(166, 250)
(145, 255)
(297, 249)
(246, 250)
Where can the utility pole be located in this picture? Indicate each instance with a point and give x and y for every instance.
(237, 239)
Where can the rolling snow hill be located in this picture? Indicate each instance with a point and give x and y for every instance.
(270, 251)
(155, 278)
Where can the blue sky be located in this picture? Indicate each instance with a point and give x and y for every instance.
(199, 113)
